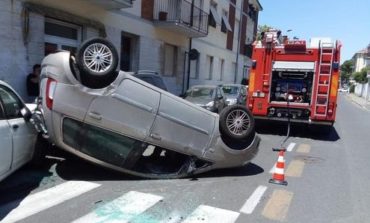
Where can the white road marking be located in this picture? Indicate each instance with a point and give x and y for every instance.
(290, 147)
(253, 200)
(43, 200)
(174, 217)
(207, 214)
(122, 209)
(272, 170)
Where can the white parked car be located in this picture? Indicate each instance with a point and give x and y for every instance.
(118, 121)
(345, 90)
(19, 140)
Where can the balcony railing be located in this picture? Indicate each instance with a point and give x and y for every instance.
(182, 16)
(113, 4)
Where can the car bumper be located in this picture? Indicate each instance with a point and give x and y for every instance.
(223, 156)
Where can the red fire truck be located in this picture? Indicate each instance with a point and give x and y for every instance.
(295, 79)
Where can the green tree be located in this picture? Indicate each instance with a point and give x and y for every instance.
(346, 70)
(360, 77)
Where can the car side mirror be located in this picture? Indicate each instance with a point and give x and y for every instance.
(220, 97)
(26, 113)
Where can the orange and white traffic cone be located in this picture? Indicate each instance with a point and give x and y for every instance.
(278, 175)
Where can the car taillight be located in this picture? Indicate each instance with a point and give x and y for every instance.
(50, 89)
(330, 109)
(250, 103)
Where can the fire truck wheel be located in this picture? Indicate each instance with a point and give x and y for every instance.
(97, 60)
(237, 123)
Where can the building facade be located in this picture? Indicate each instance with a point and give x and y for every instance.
(361, 59)
(148, 34)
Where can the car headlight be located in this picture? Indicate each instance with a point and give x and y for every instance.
(304, 90)
(231, 101)
(277, 88)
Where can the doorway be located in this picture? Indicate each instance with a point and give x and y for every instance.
(129, 52)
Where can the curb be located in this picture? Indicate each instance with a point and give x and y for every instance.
(360, 104)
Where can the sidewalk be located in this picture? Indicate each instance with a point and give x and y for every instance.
(359, 100)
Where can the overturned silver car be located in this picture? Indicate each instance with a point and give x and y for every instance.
(118, 121)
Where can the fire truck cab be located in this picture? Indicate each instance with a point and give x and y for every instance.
(295, 79)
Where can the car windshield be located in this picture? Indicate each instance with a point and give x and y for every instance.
(203, 92)
(230, 90)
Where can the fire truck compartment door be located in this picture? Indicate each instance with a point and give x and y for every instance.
(293, 66)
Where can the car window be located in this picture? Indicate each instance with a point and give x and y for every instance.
(11, 103)
(106, 145)
(243, 90)
(230, 90)
(219, 94)
(99, 143)
(71, 132)
(201, 93)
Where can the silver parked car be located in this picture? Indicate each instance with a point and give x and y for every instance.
(121, 122)
(19, 139)
(210, 97)
(235, 93)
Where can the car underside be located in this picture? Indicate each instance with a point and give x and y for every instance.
(120, 122)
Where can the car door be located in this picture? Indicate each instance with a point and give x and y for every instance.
(182, 126)
(129, 110)
(6, 148)
(23, 133)
(219, 100)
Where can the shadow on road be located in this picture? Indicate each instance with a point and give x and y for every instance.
(74, 168)
(77, 169)
(248, 170)
(324, 133)
(60, 166)
(20, 184)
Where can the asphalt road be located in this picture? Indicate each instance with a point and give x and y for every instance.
(328, 181)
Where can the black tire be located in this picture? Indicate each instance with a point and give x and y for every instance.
(236, 115)
(41, 147)
(97, 61)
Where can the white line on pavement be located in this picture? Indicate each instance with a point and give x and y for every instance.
(290, 147)
(253, 200)
(122, 209)
(43, 200)
(207, 214)
(272, 170)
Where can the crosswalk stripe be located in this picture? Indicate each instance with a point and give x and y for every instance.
(122, 209)
(290, 147)
(207, 214)
(43, 200)
(253, 200)
(278, 205)
(295, 168)
(304, 148)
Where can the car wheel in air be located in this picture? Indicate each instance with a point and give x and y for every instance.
(97, 60)
(237, 123)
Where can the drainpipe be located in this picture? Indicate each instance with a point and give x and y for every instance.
(190, 44)
(239, 37)
(188, 75)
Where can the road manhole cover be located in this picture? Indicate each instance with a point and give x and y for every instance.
(309, 159)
